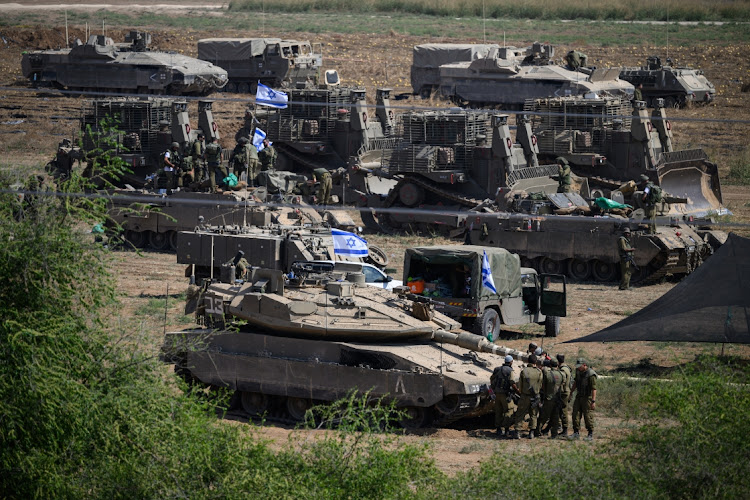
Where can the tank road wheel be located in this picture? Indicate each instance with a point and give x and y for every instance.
(136, 238)
(670, 103)
(603, 271)
(254, 403)
(552, 326)
(297, 407)
(172, 236)
(243, 88)
(641, 274)
(230, 87)
(488, 324)
(549, 266)
(579, 270)
(414, 417)
(158, 241)
(411, 195)
(377, 257)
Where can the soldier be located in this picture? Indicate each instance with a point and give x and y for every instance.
(529, 386)
(503, 384)
(241, 265)
(213, 159)
(626, 257)
(198, 153)
(563, 175)
(267, 156)
(532, 348)
(651, 197)
(323, 178)
(576, 59)
(562, 407)
(172, 164)
(245, 158)
(638, 93)
(585, 402)
(551, 384)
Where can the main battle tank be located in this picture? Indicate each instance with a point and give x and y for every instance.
(508, 76)
(102, 65)
(611, 143)
(678, 86)
(313, 338)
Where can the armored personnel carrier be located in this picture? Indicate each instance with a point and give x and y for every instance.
(272, 61)
(313, 338)
(508, 76)
(103, 65)
(612, 143)
(678, 86)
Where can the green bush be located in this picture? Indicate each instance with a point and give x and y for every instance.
(739, 168)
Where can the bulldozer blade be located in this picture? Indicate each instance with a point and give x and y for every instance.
(688, 174)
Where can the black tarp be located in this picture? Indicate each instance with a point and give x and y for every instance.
(711, 305)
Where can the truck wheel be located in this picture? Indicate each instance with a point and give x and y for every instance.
(552, 326)
(488, 325)
(377, 257)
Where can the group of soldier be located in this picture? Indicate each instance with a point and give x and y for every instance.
(543, 393)
(207, 164)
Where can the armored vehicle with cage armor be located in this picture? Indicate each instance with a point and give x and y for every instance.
(102, 65)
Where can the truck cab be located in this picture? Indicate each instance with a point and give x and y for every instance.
(452, 277)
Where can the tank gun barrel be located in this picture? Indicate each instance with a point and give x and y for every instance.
(476, 343)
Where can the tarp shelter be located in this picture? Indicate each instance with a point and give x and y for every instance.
(711, 305)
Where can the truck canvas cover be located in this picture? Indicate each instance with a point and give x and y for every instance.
(428, 58)
(505, 266)
(233, 49)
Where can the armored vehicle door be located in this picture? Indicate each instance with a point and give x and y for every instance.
(554, 295)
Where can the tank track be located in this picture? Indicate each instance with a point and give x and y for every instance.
(307, 161)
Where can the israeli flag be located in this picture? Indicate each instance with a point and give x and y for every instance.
(258, 137)
(349, 244)
(267, 96)
(487, 280)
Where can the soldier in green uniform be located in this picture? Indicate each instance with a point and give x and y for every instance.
(213, 159)
(198, 154)
(172, 163)
(576, 59)
(267, 156)
(585, 402)
(504, 386)
(563, 175)
(323, 178)
(638, 93)
(245, 159)
(530, 384)
(626, 255)
(551, 382)
(651, 196)
(562, 407)
(241, 265)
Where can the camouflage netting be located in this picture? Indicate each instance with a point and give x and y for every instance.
(710, 305)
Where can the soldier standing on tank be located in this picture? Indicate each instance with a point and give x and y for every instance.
(241, 265)
(267, 157)
(323, 178)
(172, 164)
(504, 386)
(562, 407)
(213, 159)
(530, 383)
(585, 402)
(638, 93)
(626, 257)
(563, 175)
(551, 381)
(198, 153)
(649, 204)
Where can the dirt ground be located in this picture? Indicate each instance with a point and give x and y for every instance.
(32, 123)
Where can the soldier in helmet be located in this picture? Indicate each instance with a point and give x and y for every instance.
(551, 384)
(245, 159)
(651, 197)
(503, 384)
(172, 164)
(562, 407)
(213, 159)
(241, 265)
(198, 153)
(626, 257)
(585, 402)
(530, 384)
(267, 156)
(563, 175)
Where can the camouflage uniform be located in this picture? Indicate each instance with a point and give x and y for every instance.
(563, 176)
(562, 407)
(502, 383)
(650, 207)
(267, 158)
(323, 177)
(530, 384)
(213, 159)
(551, 381)
(584, 385)
(638, 94)
(198, 153)
(625, 249)
(245, 158)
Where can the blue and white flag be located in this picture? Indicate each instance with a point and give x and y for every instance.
(487, 280)
(258, 137)
(267, 96)
(349, 244)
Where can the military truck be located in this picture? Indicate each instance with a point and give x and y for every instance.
(102, 65)
(285, 344)
(612, 143)
(272, 61)
(454, 277)
(427, 59)
(507, 76)
(678, 86)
